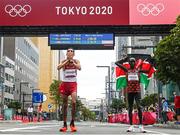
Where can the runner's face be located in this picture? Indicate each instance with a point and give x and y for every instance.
(70, 53)
(132, 64)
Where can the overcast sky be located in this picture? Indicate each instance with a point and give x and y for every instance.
(91, 80)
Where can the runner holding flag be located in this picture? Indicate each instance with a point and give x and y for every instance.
(130, 71)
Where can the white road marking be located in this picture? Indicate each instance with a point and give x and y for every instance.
(156, 132)
(26, 128)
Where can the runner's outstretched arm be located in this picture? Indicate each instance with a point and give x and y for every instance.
(120, 62)
(152, 63)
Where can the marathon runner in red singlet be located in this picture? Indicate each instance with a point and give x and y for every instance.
(69, 86)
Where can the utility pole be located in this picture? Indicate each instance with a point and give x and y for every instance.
(20, 90)
(109, 85)
(23, 105)
(22, 94)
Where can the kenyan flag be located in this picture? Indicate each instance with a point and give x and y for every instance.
(121, 81)
(145, 77)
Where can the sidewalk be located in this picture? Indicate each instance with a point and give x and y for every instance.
(170, 125)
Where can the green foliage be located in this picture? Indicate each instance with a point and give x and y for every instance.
(117, 104)
(149, 100)
(167, 56)
(92, 116)
(54, 92)
(87, 114)
(79, 105)
(16, 105)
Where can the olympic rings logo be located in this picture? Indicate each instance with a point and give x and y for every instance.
(150, 8)
(18, 10)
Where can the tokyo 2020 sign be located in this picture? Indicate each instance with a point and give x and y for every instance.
(88, 12)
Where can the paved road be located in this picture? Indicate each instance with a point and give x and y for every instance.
(84, 128)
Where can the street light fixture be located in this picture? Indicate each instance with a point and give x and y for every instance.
(109, 86)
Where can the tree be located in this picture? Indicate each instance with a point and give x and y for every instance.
(117, 105)
(54, 92)
(79, 105)
(87, 114)
(14, 104)
(149, 100)
(167, 56)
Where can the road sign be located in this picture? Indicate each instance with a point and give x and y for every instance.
(37, 97)
(44, 98)
(50, 106)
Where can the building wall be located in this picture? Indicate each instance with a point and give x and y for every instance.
(26, 67)
(9, 80)
(9, 47)
(26, 57)
(120, 43)
(1, 75)
(27, 61)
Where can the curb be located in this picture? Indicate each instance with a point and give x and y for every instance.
(171, 126)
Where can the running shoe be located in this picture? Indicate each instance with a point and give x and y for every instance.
(63, 129)
(73, 128)
(130, 129)
(141, 128)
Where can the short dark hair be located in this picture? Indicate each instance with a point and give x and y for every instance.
(132, 59)
(70, 48)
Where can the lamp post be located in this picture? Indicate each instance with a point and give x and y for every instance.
(20, 93)
(109, 86)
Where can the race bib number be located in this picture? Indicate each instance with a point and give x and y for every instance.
(70, 73)
(133, 77)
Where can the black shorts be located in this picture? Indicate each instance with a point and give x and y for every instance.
(178, 111)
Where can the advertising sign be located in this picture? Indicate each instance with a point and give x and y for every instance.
(148, 12)
(63, 12)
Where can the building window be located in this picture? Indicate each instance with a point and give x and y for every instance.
(6, 76)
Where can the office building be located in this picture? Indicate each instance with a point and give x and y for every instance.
(26, 57)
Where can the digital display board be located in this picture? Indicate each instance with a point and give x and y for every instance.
(81, 41)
